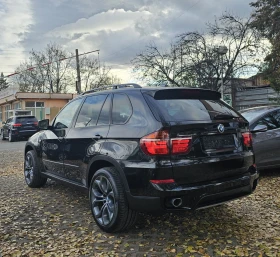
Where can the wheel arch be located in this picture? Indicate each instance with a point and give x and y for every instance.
(29, 148)
(100, 162)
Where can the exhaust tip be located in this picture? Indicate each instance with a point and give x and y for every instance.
(176, 202)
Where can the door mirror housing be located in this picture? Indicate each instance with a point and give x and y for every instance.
(43, 124)
(60, 133)
(3, 122)
(259, 128)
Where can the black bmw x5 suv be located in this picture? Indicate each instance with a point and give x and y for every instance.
(145, 149)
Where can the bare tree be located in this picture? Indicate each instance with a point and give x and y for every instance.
(45, 71)
(193, 60)
(89, 69)
(93, 74)
(156, 67)
(53, 70)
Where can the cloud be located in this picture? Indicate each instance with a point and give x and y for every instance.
(112, 20)
(120, 29)
(15, 22)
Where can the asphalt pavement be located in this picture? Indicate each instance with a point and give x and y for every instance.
(6, 145)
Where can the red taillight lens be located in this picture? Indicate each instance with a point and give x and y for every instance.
(181, 145)
(16, 125)
(158, 143)
(247, 139)
(35, 123)
(155, 143)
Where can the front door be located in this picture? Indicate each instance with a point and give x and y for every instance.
(53, 140)
(267, 144)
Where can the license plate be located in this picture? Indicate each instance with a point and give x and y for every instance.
(218, 142)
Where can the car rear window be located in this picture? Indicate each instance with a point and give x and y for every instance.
(252, 114)
(185, 105)
(26, 119)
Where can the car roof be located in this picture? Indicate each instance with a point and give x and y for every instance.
(24, 116)
(142, 89)
(260, 110)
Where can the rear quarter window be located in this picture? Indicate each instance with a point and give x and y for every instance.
(122, 109)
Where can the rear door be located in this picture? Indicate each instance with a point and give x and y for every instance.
(214, 130)
(86, 137)
(6, 127)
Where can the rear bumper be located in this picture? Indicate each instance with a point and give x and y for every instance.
(23, 133)
(197, 197)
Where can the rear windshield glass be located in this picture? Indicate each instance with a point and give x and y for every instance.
(26, 119)
(252, 114)
(193, 109)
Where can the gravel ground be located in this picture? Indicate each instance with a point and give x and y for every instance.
(56, 221)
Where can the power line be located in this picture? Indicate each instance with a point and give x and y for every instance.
(48, 63)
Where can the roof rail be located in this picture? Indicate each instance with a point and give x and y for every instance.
(112, 87)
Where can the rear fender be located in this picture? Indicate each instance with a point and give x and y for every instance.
(114, 163)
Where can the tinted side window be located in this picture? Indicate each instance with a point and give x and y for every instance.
(121, 110)
(66, 115)
(271, 120)
(104, 117)
(90, 111)
(277, 117)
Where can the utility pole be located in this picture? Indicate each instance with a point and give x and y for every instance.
(222, 50)
(78, 82)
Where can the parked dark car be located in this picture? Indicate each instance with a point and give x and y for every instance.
(265, 127)
(143, 150)
(18, 127)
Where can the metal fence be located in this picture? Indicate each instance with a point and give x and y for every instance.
(247, 97)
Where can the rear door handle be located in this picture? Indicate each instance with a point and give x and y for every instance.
(97, 136)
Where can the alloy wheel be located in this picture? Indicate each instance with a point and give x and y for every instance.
(28, 169)
(103, 201)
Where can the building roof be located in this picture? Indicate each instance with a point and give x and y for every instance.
(12, 94)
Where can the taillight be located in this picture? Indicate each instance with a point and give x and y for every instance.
(181, 145)
(247, 139)
(155, 143)
(159, 143)
(16, 125)
(35, 123)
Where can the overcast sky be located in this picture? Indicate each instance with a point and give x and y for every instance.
(118, 28)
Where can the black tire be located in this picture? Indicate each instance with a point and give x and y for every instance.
(32, 174)
(2, 135)
(10, 136)
(108, 202)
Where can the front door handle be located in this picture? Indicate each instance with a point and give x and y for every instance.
(97, 136)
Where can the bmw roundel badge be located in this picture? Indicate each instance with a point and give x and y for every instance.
(221, 128)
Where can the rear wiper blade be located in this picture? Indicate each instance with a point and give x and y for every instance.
(224, 116)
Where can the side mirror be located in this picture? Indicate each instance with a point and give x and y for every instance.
(60, 133)
(3, 122)
(43, 124)
(259, 128)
